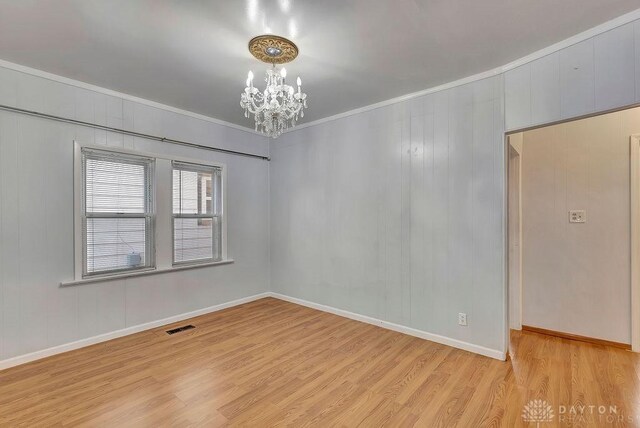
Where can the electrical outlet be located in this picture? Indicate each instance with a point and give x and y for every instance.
(462, 318)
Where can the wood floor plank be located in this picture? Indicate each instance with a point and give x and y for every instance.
(274, 363)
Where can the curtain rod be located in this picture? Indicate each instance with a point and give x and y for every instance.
(131, 133)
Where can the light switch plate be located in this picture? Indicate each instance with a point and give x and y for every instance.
(577, 216)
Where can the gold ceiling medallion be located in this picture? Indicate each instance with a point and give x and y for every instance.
(277, 107)
(273, 49)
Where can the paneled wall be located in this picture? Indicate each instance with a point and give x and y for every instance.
(396, 213)
(597, 74)
(36, 217)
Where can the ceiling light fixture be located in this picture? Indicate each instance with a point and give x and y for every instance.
(278, 107)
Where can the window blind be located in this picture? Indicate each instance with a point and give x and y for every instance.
(197, 211)
(118, 215)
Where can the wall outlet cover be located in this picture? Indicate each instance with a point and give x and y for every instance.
(462, 318)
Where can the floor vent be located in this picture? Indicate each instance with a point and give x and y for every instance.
(179, 329)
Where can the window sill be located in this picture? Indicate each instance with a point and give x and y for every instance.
(104, 278)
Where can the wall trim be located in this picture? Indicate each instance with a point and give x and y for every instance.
(634, 142)
(563, 44)
(466, 346)
(37, 355)
(570, 336)
(401, 98)
(585, 35)
(79, 84)
(580, 37)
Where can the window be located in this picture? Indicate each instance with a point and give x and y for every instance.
(143, 213)
(117, 215)
(197, 213)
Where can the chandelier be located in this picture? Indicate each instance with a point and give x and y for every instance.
(279, 106)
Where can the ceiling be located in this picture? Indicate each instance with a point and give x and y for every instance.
(192, 54)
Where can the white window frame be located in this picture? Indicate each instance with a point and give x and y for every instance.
(162, 251)
(149, 213)
(212, 216)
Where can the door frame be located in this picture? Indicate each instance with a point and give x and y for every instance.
(516, 160)
(634, 145)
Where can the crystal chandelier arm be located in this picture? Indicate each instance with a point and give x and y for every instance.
(254, 107)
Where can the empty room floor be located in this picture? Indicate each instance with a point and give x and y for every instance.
(270, 362)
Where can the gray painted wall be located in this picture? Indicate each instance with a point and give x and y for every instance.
(597, 74)
(397, 213)
(36, 217)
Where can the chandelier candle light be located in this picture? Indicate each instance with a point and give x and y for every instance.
(279, 106)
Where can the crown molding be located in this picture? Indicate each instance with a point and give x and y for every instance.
(556, 47)
(580, 37)
(585, 35)
(459, 82)
(122, 95)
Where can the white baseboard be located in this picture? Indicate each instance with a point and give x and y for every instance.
(493, 353)
(26, 358)
(22, 359)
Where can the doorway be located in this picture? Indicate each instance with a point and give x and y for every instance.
(569, 229)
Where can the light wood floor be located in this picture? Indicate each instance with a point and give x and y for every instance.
(271, 363)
